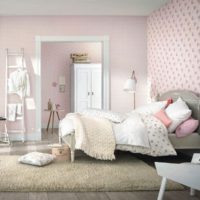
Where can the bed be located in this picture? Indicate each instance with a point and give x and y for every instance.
(189, 142)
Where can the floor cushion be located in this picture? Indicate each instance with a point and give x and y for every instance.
(37, 158)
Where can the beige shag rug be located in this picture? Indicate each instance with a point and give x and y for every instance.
(86, 174)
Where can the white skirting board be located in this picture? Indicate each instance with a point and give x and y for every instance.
(34, 136)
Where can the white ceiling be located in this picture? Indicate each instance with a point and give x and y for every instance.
(79, 7)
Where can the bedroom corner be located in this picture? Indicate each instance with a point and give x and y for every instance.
(99, 100)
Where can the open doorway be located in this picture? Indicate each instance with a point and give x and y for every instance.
(66, 82)
(104, 40)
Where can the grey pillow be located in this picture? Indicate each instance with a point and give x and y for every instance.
(36, 158)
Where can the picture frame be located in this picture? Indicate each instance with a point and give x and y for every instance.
(61, 88)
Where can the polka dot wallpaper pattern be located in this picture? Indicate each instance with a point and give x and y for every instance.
(174, 47)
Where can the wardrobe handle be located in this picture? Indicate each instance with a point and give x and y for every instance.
(92, 93)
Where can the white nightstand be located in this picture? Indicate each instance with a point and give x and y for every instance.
(187, 174)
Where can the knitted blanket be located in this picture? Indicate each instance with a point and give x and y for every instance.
(94, 136)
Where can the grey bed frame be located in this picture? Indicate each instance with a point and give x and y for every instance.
(189, 142)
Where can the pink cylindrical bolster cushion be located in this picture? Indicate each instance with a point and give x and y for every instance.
(162, 116)
(186, 128)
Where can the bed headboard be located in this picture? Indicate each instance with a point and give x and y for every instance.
(192, 100)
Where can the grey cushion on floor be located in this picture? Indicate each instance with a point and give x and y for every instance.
(36, 158)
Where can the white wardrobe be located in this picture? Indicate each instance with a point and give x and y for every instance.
(86, 86)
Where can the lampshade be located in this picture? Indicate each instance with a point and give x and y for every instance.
(130, 85)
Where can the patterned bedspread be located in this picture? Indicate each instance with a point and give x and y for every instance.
(158, 139)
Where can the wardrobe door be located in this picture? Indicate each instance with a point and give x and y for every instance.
(96, 87)
(83, 89)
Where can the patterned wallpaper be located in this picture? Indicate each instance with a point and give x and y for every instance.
(174, 47)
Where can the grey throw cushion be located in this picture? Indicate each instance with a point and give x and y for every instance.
(36, 158)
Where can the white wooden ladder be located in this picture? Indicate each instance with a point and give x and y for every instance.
(15, 61)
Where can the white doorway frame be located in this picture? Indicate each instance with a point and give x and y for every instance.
(105, 63)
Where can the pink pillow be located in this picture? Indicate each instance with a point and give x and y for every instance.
(162, 116)
(187, 127)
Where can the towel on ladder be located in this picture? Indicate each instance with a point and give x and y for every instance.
(12, 112)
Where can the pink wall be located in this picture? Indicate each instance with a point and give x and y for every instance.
(127, 50)
(56, 62)
(174, 47)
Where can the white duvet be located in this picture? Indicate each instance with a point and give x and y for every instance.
(131, 131)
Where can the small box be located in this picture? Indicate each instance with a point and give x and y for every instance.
(62, 152)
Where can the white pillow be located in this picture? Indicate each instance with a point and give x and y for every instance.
(36, 158)
(151, 108)
(107, 114)
(178, 112)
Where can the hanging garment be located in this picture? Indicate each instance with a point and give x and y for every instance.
(19, 83)
(19, 109)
